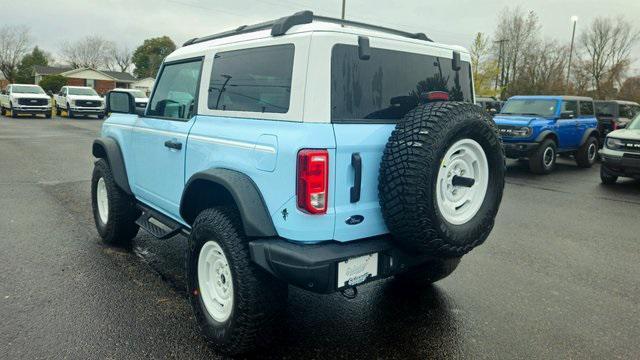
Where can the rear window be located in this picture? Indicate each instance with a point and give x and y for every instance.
(388, 85)
(586, 108)
(254, 80)
(605, 109)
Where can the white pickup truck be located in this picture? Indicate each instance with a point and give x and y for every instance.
(140, 97)
(24, 99)
(79, 100)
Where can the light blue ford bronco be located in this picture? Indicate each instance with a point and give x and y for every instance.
(309, 151)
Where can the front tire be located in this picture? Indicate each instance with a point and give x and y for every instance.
(606, 177)
(14, 114)
(236, 304)
(543, 159)
(587, 153)
(114, 211)
(70, 113)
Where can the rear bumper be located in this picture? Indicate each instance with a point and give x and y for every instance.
(516, 150)
(314, 267)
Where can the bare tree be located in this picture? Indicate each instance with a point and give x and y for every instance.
(521, 30)
(120, 58)
(606, 46)
(90, 52)
(15, 42)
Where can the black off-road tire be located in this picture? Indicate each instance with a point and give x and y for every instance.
(58, 111)
(47, 115)
(259, 298)
(582, 155)
(2, 111)
(120, 228)
(428, 273)
(606, 177)
(70, 113)
(537, 163)
(14, 114)
(410, 165)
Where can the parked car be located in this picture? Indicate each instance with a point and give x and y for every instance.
(24, 99)
(614, 114)
(621, 153)
(139, 96)
(287, 158)
(538, 128)
(79, 101)
(490, 104)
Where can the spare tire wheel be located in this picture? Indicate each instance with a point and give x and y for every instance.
(441, 178)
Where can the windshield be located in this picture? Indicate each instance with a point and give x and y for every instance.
(26, 89)
(137, 93)
(537, 107)
(605, 109)
(82, 91)
(635, 124)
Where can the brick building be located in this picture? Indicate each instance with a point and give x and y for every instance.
(102, 81)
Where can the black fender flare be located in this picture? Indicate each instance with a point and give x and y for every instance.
(544, 134)
(255, 216)
(589, 133)
(108, 148)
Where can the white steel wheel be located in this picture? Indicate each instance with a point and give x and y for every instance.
(215, 281)
(464, 162)
(103, 200)
(591, 152)
(548, 157)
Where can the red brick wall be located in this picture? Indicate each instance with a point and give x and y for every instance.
(104, 86)
(75, 82)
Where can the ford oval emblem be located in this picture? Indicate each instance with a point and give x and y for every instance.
(354, 220)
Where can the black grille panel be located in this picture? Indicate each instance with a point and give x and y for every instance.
(32, 102)
(631, 145)
(89, 103)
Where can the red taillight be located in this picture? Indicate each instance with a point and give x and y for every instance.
(435, 96)
(313, 180)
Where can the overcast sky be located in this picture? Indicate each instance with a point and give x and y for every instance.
(451, 21)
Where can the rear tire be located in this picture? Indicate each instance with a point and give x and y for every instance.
(606, 177)
(240, 306)
(587, 153)
(114, 211)
(428, 273)
(2, 111)
(543, 159)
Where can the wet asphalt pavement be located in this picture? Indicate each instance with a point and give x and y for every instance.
(559, 276)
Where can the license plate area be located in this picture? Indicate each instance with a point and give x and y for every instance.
(357, 270)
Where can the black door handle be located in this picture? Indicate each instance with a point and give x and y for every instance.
(173, 144)
(356, 162)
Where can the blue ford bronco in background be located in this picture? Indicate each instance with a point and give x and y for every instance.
(538, 128)
(309, 151)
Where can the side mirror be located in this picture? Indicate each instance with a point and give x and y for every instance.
(364, 49)
(455, 61)
(120, 102)
(570, 114)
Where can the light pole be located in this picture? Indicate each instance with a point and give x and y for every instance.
(343, 8)
(574, 20)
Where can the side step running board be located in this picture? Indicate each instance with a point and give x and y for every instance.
(157, 224)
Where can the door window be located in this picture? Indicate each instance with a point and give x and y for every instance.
(570, 106)
(254, 80)
(176, 91)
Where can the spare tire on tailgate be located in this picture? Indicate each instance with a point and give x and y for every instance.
(441, 178)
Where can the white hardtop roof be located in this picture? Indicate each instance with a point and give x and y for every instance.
(30, 85)
(315, 26)
(79, 87)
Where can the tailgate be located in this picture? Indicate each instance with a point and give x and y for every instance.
(366, 141)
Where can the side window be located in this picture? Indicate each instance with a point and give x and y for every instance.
(586, 108)
(624, 111)
(176, 90)
(254, 80)
(570, 105)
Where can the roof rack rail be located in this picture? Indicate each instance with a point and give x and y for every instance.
(282, 25)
